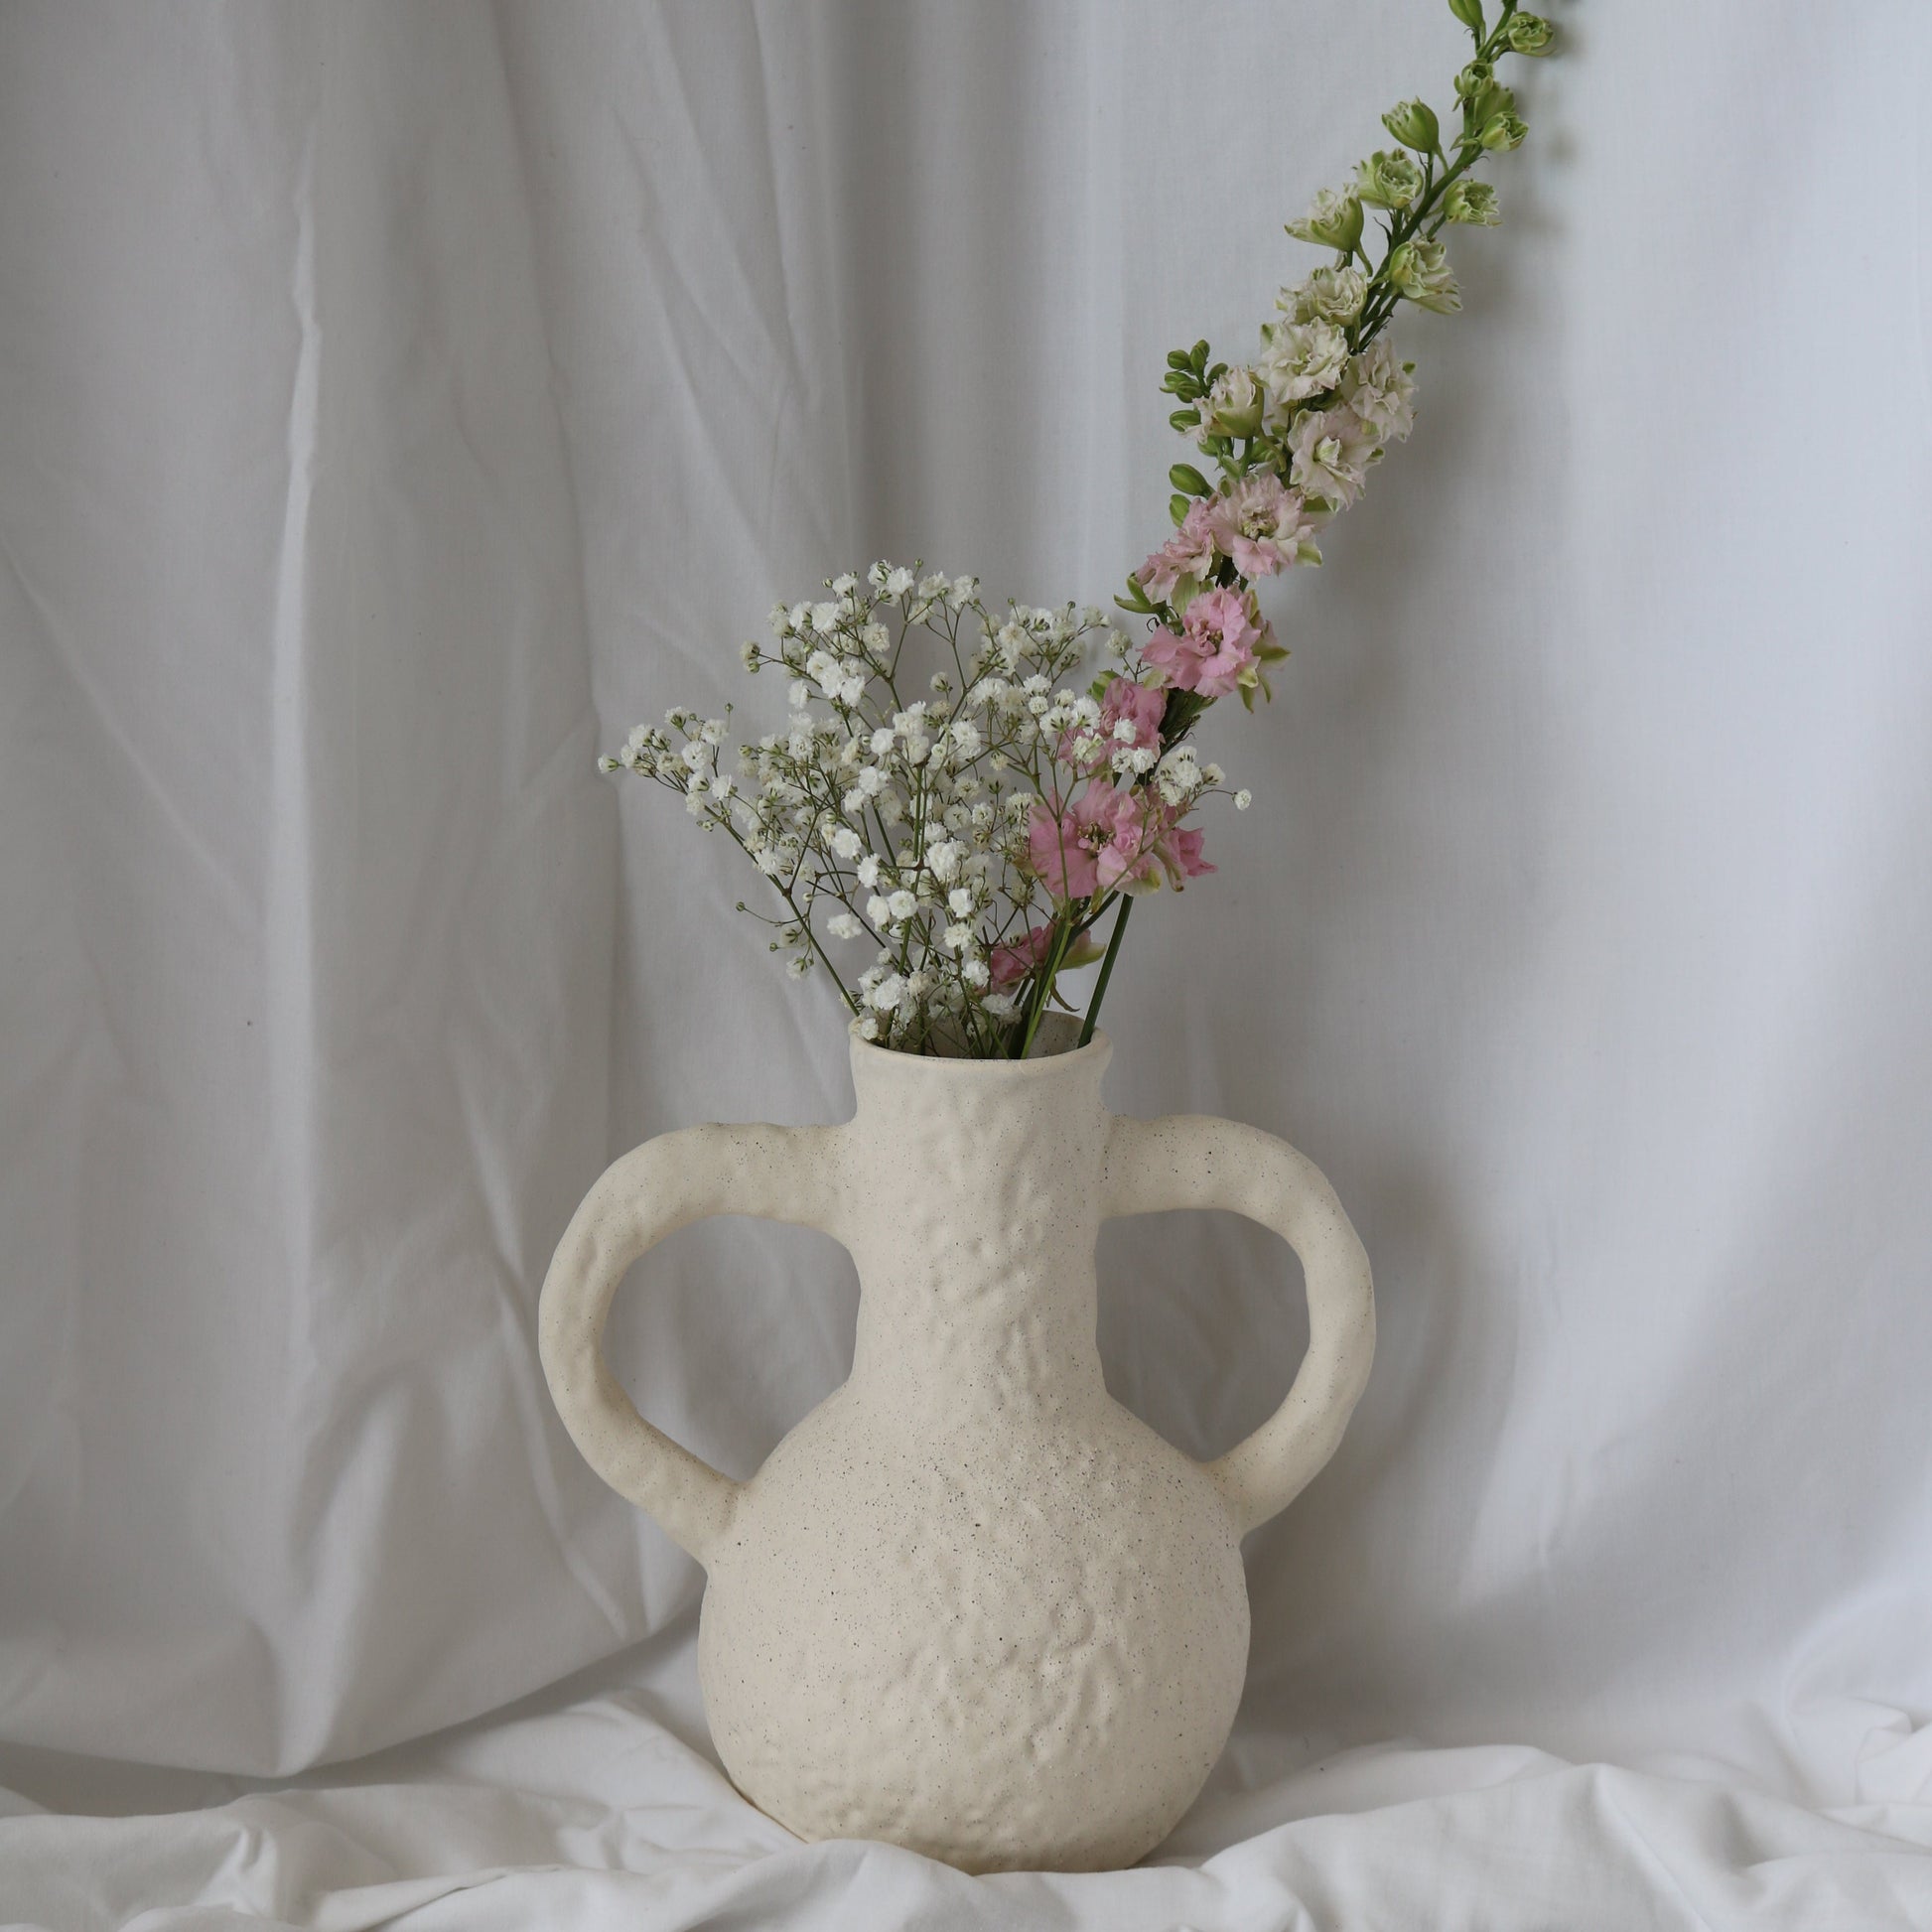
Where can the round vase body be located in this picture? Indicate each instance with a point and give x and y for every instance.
(970, 1605)
(1010, 1642)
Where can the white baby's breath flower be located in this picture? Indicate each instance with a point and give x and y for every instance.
(868, 871)
(900, 905)
(889, 993)
(844, 925)
(800, 965)
(959, 901)
(974, 972)
(847, 843)
(799, 692)
(1243, 799)
(958, 936)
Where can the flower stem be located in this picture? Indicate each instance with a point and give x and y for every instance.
(1106, 967)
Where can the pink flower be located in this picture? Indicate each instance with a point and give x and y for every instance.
(1262, 525)
(1092, 845)
(1189, 552)
(1219, 632)
(1178, 851)
(1140, 706)
(1014, 962)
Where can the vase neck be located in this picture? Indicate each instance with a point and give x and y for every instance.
(976, 1249)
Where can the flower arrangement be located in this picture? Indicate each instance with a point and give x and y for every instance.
(950, 799)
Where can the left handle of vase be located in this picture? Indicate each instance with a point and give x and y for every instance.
(777, 1174)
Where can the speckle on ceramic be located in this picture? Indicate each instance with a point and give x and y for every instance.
(970, 1604)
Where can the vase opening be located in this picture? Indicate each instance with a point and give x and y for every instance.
(1057, 1034)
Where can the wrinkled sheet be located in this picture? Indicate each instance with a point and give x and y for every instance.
(396, 403)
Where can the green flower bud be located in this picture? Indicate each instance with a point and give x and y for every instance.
(1412, 123)
(1487, 102)
(1473, 203)
(1332, 222)
(1530, 34)
(1469, 13)
(1502, 132)
(1188, 480)
(1388, 179)
(1473, 78)
(1177, 507)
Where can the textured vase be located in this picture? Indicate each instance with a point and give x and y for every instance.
(970, 1604)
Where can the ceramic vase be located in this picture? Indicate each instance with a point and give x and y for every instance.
(970, 1605)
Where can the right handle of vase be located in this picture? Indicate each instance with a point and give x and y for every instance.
(1192, 1160)
(777, 1174)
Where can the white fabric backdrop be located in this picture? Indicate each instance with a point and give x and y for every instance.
(396, 403)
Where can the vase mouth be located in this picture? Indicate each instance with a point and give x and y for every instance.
(1055, 1046)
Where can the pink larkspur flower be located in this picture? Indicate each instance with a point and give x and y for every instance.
(1262, 525)
(1189, 552)
(1009, 963)
(1091, 846)
(1214, 645)
(1140, 706)
(1178, 849)
(1087, 747)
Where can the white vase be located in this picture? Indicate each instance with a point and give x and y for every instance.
(970, 1604)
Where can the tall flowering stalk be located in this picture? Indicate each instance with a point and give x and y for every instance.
(948, 796)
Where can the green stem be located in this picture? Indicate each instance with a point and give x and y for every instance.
(1043, 987)
(1106, 967)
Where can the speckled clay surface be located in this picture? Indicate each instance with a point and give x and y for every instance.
(970, 1604)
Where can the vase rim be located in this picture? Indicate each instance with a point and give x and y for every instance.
(1098, 1049)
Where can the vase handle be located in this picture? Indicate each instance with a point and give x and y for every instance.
(777, 1174)
(1191, 1161)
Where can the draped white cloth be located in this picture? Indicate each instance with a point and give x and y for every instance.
(399, 403)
